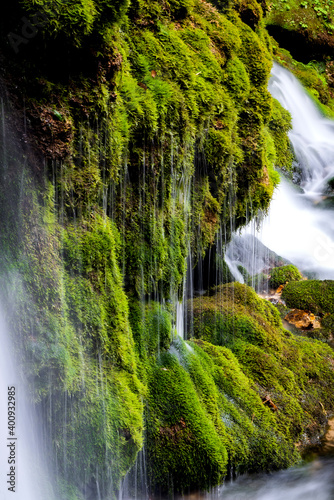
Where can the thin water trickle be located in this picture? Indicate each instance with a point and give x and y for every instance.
(135, 485)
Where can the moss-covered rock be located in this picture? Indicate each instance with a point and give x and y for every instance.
(302, 27)
(158, 131)
(280, 364)
(185, 448)
(311, 295)
(284, 274)
(317, 297)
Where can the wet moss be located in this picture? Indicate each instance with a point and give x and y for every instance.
(284, 274)
(311, 295)
(302, 27)
(280, 124)
(74, 333)
(151, 327)
(199, 378)
(280, 364)
(184, 449)
(162, 131)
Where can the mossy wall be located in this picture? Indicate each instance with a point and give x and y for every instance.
(303, 41)
(62, 292)
(140, 130)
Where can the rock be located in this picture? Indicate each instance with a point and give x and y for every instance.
(328, 444)
(302, 319)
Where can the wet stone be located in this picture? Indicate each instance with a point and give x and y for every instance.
(302, 319)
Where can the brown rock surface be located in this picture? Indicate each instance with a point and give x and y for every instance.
(328, 446)
(302, 319)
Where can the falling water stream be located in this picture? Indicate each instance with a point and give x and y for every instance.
(23, 470)
(300, 223)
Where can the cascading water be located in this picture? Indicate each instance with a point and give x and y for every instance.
(22, 461)
(298, 226)
(312, 135)
(311, 482)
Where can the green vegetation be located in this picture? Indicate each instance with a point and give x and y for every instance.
(156, 128)
(294, 14)
(314, 296)
(311, 295)
(314, 20)
(206, 418)
(278, 363)
(284, 274)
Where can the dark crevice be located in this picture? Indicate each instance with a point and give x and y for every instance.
(301, 46)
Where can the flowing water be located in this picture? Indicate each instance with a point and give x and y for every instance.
(300, 223)
(314, 481)
(23, 473)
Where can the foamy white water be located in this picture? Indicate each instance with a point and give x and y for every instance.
(312, 135)
(23, 474)
(297, 228)
(314, 481)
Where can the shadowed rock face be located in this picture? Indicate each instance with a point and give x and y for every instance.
(302, 45)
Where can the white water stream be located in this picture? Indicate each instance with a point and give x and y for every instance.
(23, 471)
(314, 481)
(298, 227)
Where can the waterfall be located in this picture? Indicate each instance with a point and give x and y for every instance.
(312, 135)
(300, 225)
(23, 471)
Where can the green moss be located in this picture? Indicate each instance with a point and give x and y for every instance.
(81, 364)
(184, 449)
(80, 18)
(279, 364)
(151, 327)
(250, 425)
(163, 133)
(237, 80)
(308, 24)
(284, 274)
(202, 403)
(255, 56)
(311, 295)
(279, 125)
